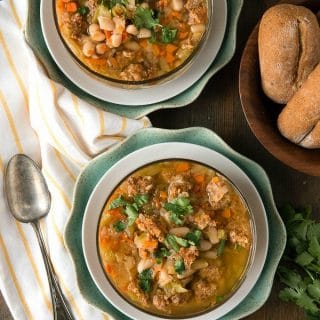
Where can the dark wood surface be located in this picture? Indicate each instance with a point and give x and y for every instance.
(218, 108)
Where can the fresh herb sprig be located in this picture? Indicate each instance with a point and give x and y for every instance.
(145, 280)
(178, 209)
(302, 279)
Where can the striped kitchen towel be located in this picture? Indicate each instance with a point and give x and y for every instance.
(62, 133)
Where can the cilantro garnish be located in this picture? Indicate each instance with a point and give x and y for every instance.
(132, 213)
(83, 11)
(145, 18)
(119, 226)
(179, 266)
(141, 199)
(117, 203)
(174, 242)
(302, 256)
(168, 35)
(145, 280)
(160, 254)
(178, 208)
(194, 237)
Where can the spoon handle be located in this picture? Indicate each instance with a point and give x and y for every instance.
(61, 310)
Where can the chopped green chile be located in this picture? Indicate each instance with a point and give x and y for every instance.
(154, 258)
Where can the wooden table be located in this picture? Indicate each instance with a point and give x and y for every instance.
(218, 108)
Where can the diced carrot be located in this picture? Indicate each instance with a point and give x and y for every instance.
(182, 166)
(150, 244)
(171, 48)
(71, 7)
(107, 34)
(143, 43)
(215, 179)
(199, 178)
(183, 35)
(226, 213)
(163, 195)
(155, 50)
(176, 14)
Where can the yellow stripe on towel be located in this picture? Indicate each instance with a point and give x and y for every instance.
(15, 14)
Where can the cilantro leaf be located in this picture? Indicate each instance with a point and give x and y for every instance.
(179, 266)
(83, 11)
(145, 18)
(194, 237)
(174, 242)
(178, 208)
(145, 280)
(141, 199)
(168, 35)
(161, 253)
(132, 213)
(119, 226)
(117, 203)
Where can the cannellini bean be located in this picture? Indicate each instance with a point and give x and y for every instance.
(93, 28)
(98, 36)
(195, 28)
(177, 5)
(116, 40)
(132, 45)
(144, 5)
(199, 264)
(212, 254)
(88, 49)
(180, 232)
(212, 234)
(101, 48)
(144, 264)
(132, 29)
(164, 278)
(120, 25)
(144, 33)
(205, 245)
(186, 274)
(106, 23)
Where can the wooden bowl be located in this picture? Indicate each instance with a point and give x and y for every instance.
(262, 113)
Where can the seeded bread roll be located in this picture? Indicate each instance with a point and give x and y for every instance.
(299, 121)
(289, 49)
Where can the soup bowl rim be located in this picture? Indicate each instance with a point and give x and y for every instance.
(174, 151)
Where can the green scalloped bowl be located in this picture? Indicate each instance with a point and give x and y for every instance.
(90, 176)
(36, 41)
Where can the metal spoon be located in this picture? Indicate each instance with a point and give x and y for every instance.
(29, 200)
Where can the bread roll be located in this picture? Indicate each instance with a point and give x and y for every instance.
(299, 121)
(289, 49)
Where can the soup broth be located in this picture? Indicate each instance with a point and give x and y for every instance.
(175, 238)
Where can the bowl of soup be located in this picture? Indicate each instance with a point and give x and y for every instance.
(175, 230)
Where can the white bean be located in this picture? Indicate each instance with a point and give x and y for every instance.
(98, 36)
(180, 232)
(144, 264)
(88, 49)
(116, 40)
(198, 28)
(199, 264)
(93, 28)
(205, 245)
(177, 5)
(132, 29)
(144, 33)
(144, 5)
(164, 278)
(212, 234)
(212, 254)
(132, 45)
(186, 274)
(101, 48)
(106, 23)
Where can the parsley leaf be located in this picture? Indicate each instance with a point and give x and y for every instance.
(141, 199)
(194, 237)
(119, 226)
(145, 18)
(117, 203)
(83, 11)
(145, 280)
(174, 242)
(132, 213)
(168, 35)
(160, 254)
(178, 208)
(179, 266)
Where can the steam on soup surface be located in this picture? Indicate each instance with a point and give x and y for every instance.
(132, 40)
(175, 238)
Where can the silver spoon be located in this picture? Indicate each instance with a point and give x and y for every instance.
(29, 200)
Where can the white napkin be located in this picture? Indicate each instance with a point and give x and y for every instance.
(42, 119)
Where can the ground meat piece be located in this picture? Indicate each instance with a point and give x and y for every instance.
(78, 26)
(139, 185)
(189, 255)
(178, 187)
(219, 193)
(92, 6)
(239, 238)
(180, 298)
(197, 15)
(133, 72)
(142, 297)
(192, 4)
(124, 58)
(210, 273)
(203, 290)
(148, 225)
(201, 220)
(161, 300)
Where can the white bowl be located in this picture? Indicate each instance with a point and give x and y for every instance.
(101, 89)
(163, 151)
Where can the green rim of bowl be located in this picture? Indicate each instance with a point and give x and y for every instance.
(34, 38)
(93, 172)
